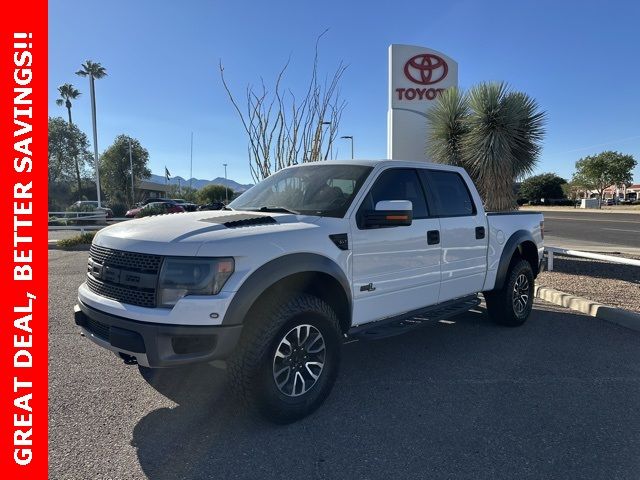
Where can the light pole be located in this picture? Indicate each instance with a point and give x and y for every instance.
(226, 187)
(349, 137)
(133, 198)
(330, 142)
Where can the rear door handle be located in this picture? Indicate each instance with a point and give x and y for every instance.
(479, 232)
(433, 237)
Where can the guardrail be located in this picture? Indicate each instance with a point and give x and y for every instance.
(595, 256)
(80, 221)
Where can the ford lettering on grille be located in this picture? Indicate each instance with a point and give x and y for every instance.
(127, 277)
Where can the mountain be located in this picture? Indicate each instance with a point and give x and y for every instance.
(198, 183)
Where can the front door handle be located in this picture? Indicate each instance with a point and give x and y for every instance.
(433, 237)
(479, 233)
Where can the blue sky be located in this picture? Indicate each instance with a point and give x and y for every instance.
(579, 59)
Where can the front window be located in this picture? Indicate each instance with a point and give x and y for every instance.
(325, 190)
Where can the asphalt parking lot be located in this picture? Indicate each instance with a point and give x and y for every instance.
(556, 398)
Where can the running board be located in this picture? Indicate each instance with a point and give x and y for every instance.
(390, 327)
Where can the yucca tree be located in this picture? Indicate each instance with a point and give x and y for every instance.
(94, 71)
(491, 131)
(448, 120)
(67, 93)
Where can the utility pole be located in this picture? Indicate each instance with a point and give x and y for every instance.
(191, 167)
(226, 187)
(133, 197)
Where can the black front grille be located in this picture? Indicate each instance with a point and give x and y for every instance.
(141, 262)
(122, 294)
(109, 286)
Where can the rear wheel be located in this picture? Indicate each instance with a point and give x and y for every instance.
(288, 357)
(512, 304)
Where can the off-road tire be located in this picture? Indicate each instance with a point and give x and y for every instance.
(505, 305)
(251, 367)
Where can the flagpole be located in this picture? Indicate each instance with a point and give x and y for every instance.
(191, 167)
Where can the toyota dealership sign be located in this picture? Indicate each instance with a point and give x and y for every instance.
(417, 75)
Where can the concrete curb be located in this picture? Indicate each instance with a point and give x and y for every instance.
(618, 316)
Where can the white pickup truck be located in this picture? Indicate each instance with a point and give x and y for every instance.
(314, 254)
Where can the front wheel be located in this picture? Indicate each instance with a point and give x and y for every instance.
(287, 360)
(512, 304)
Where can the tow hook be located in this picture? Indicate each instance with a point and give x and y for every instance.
(128, 359)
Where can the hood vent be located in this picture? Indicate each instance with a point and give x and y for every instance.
(249, 222)
(238, 220)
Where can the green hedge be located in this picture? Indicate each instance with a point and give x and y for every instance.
(82, 239)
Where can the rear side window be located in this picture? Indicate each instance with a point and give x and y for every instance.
(397, 184)
(450, 192)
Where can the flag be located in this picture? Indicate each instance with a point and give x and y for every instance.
(167, 175)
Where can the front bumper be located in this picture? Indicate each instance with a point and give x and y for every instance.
(157, 344)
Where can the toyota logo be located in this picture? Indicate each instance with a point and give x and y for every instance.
(426, 69)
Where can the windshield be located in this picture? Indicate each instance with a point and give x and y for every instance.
(325, 190)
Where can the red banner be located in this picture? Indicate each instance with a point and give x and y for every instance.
(23, 240)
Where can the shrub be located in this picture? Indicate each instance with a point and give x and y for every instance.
(554, 202)
(82, 239)
(119, 209)
(149, 211)
(57, 222)
(563, 202)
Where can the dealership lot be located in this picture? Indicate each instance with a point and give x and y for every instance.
(557, 397)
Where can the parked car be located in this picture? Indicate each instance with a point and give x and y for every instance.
(313, 255)
(188, 206)
(152, 199)
(90, 205)
(159, 208)
(608, 202)
(131, 213)
(212, 206)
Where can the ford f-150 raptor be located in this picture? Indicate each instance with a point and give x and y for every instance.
(312, 255)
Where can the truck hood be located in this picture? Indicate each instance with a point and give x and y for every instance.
(186, 233)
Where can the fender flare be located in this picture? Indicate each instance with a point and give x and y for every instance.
(276, 270)
(510, 247)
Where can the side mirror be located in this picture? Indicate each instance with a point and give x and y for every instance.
(390, 213)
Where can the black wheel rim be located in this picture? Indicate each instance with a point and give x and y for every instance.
(521, 295)
(298, 360)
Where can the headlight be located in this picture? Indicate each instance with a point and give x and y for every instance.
(180, 277)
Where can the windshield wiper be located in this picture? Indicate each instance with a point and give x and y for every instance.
(275, 209)
(227, 208)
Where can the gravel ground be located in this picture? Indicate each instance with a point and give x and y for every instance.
(606, 283)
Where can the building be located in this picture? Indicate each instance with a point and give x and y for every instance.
(619, 193)
(632, 192)
(146, 189)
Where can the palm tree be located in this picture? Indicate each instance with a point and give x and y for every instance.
(94, 71)
(67, 93)
(491, 131)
